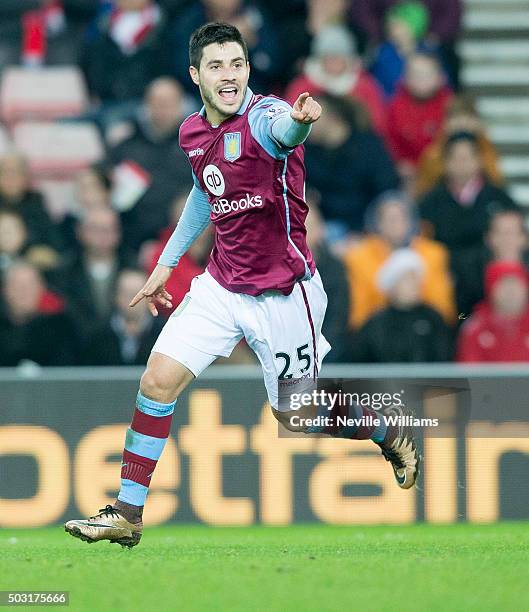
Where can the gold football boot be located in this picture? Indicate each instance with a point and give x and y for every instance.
(107, 525)
(401, 451)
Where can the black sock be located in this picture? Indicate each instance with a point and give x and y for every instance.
(133, 514)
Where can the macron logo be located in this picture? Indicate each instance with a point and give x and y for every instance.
(196, 152)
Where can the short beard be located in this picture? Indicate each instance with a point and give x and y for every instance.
(208, 99)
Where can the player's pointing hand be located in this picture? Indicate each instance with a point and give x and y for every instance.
(306, 109)
(154, 291)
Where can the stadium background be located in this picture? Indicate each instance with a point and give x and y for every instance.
(417, 196)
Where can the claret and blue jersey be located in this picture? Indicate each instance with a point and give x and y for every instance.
(252, 188)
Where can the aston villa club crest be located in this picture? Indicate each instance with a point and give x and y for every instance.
(232, 146)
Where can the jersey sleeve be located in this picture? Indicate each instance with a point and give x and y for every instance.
(193, 221)
(274, 129)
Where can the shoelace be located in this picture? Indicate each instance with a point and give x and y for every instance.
(108, 510)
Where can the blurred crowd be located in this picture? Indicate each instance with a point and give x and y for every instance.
(422, 252)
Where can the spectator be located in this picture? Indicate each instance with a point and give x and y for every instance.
(174, 8)
(254, 26)
(52, 33)
(336, 285)
(322, 13)
(13, 238)
(149, 166)
(506, 240)
(417, 112)
(392, 228)
(92, 192)
(88, 279)
(461, 116)
(14, 244)
(11, 13)
(289, 18)
(129, 334)
(191, 264)
(335, 68)
(33, 324)
(498, 329)
(16, 195)
(407, 330)
(347, 164)
(126, 52)
(458, 210)
(93, 188)
(444, 31)
(406, 26)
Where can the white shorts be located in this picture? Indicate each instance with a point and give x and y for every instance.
(284, 331)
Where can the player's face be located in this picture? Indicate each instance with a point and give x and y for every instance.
(222, 78)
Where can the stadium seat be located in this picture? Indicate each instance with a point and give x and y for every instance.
(58, 150)
(46, 93)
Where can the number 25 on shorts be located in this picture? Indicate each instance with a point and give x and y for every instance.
(302, 357)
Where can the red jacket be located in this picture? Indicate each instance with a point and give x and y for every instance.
(365, 90)
(487, 336)
(413, 124)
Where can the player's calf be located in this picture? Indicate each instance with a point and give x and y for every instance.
(144, 444)
(296, 420)
(163, 379)
(387, 428)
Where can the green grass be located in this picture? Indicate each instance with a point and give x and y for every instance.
(299, 568)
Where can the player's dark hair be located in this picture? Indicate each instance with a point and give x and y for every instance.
(214, 32)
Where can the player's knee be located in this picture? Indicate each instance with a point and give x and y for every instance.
(156, 386)
(164, 379)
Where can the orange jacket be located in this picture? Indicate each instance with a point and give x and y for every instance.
(430, 168)
(364, 261)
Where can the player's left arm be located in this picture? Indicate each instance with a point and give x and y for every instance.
(292, 129)
(279, 127)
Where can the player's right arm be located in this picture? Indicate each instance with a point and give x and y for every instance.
(193, 221)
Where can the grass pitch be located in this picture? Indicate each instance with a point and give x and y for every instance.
(301, 568)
